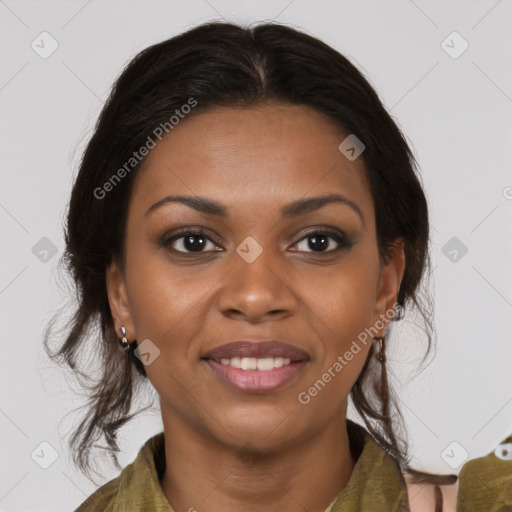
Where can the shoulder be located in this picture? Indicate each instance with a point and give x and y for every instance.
(102, 499)
(484, 484)
(138, 482)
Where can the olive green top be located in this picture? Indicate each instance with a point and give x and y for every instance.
(485, 483)
(375, 485)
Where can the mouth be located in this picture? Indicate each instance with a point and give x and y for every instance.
(256, 367)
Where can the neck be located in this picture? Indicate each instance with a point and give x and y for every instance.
(202, 474)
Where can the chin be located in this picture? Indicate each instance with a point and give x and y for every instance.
(264, 428)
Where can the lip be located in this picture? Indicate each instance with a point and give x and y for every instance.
(257, 349)
(256, 381)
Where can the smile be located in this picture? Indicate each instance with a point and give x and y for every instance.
(256, 375)
(253, 363)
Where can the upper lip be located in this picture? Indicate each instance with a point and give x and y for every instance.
(256, 349)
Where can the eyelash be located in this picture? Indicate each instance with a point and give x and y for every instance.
(338, 236)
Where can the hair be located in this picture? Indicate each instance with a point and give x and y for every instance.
(227, 65)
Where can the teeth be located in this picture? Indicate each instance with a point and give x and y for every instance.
(248, 363)
(252, 363)
(266, 363)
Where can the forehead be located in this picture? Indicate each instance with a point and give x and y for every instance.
(264, 155)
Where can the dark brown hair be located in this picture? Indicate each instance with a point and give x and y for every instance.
(223, 64)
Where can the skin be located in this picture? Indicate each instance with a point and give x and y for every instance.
(227, 449)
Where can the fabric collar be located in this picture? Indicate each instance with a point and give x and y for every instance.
(376, 482)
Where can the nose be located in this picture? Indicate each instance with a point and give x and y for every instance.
(258, 290)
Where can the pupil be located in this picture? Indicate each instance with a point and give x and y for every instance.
(190, 246)
(320, 242)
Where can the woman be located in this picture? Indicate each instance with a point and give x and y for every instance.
(246, 223)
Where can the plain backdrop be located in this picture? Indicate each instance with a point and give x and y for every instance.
(451, 95)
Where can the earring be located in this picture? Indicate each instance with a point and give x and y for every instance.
(381, 355)
(399, 312)
(124, 341)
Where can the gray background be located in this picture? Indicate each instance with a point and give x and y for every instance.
(455, 112)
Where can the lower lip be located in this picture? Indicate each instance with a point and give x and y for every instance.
(256, 381)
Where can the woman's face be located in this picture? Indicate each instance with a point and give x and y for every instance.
(263, 270)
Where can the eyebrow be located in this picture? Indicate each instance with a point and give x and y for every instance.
(294, 209)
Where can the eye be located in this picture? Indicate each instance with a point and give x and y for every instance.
(321, 239)
(189, 241)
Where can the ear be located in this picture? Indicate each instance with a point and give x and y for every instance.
(118, 300)
(388, 287)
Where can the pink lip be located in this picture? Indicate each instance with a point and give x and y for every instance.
(256, 381)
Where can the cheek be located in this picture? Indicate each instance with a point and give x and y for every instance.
(343, 304)
(168, 307)
(166, 300)
(344, 298)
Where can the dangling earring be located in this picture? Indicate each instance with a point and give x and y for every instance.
(384, 388)
(381, 354)
(124, 341)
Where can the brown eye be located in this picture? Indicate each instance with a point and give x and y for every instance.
(322, 241)
(189, 241)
